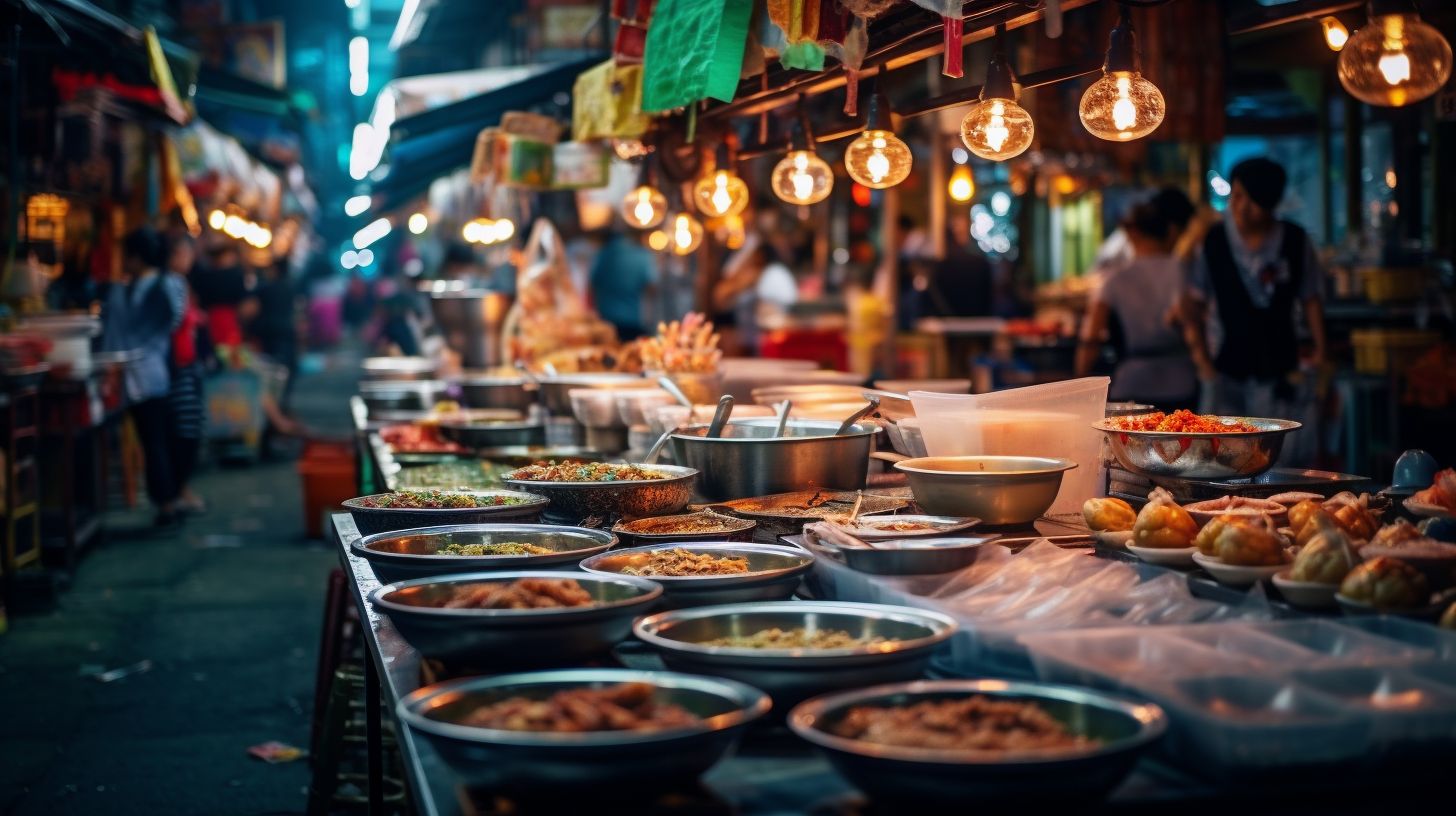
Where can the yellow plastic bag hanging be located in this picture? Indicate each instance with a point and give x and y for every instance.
(606, 102)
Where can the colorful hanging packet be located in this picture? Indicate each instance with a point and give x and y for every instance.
(951, 28)
(694, 51)
(632, 17)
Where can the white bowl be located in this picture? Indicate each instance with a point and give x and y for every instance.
(1305, 594)
(1165, 556)
(633, 404)
(595, 407)
(1235, 575)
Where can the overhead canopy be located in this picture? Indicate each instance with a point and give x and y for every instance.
(428, 145)
(267, 120)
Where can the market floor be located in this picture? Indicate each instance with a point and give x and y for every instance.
(225, 612)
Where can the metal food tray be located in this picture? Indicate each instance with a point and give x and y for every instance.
(1278, 700)
(1134, 488)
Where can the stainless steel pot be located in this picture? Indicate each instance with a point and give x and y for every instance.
(401, 395)
(399, 368)
(995, 489)
(748, 461)
(494, 434)
(471, 321)
(495, 391)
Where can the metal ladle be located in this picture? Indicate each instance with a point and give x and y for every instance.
(869, 407)
(720, 417)
(671, 387)
(783, 417)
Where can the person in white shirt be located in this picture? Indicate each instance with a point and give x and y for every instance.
(755, 285)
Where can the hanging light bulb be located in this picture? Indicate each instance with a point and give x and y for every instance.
(1122, 105)
(877, 158)
(720, 193)
(997, 128)
(644, 208)
(1336, 35)
(685, 234)
(657, 239)
(1395, 59)
(962, 186)
(802, 177)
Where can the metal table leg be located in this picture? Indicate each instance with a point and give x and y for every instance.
(373, 737)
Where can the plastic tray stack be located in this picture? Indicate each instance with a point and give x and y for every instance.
(1274, 700)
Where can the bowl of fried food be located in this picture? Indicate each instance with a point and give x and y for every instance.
(453, 549)
(408, 509)
(1186, 445)
(947, 741)
(605, 491)
(796, 649)
(515, 618)
(697, 574)
(602, 733)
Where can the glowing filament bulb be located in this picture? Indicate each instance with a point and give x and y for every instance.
(802, 181)
(643, 208)
(878, 164)
(1124, 114)
(997, 133)
(1395, 67)
(722, 199)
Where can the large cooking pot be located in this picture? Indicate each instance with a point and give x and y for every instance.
(749, 461)
(497, 390)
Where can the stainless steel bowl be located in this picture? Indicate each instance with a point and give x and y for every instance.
(995, 489)
(406, 554)
(793, 675)
(774, 573)
(913, 556)
(640, 533)
(399, 368)
(1231, 455)
(401, 395)
(595, 763)
(572, 502)
(492, 433)
(497, 391)
(371, 520)
(556, 389)
(515, 637)
(895, 774)
(749, 461)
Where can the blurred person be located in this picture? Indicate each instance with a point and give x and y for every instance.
(622, 283)
(1140, 293)
(1173, 206)
(756, 284)
(139, 314)
(274, 328)
(1250, 276)
(224, 291)
(190, 347)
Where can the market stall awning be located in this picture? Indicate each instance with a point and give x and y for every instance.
(431, 144)
(265, 119)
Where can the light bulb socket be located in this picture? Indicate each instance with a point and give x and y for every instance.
(1122, 50)
(1381, 8)
(1000, 78)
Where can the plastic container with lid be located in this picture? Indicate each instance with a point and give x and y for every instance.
(1051, 420)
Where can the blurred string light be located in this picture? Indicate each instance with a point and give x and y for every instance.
(1219, 184)
(685, 234)
(349, 259)
(418, 223)
(366, 257)
(372, 232)
(359, 66)
(365, 152)
(962, 186)
(657, 240)
(488, 231)
(216, 219)
(960, 155)
(1000, 203)
(1122, 105)
(356, 205)
(1336, 35)
(1396, 58)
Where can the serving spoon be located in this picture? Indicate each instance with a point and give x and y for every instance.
(783, 417)
(870, 407)
(720, 417)
(671, 387)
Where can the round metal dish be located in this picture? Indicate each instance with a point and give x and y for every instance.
(793, 675)
(399, 368)
(406, 554)
(749, 461)
(371, 520)
(896, 774)
(1227, 455)
(541, 764)
(492, 433)
(920, 556)
(648, 531)
(882, 528)
(995, 489)
(401, 395)
(571, 502)
(515, 637)
(481, 390)
(774, 573)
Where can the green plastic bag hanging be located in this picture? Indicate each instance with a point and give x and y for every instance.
(694, 51)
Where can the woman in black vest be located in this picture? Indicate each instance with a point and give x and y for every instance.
(1251, 275)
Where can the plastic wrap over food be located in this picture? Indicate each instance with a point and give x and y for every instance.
(1042, 588)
